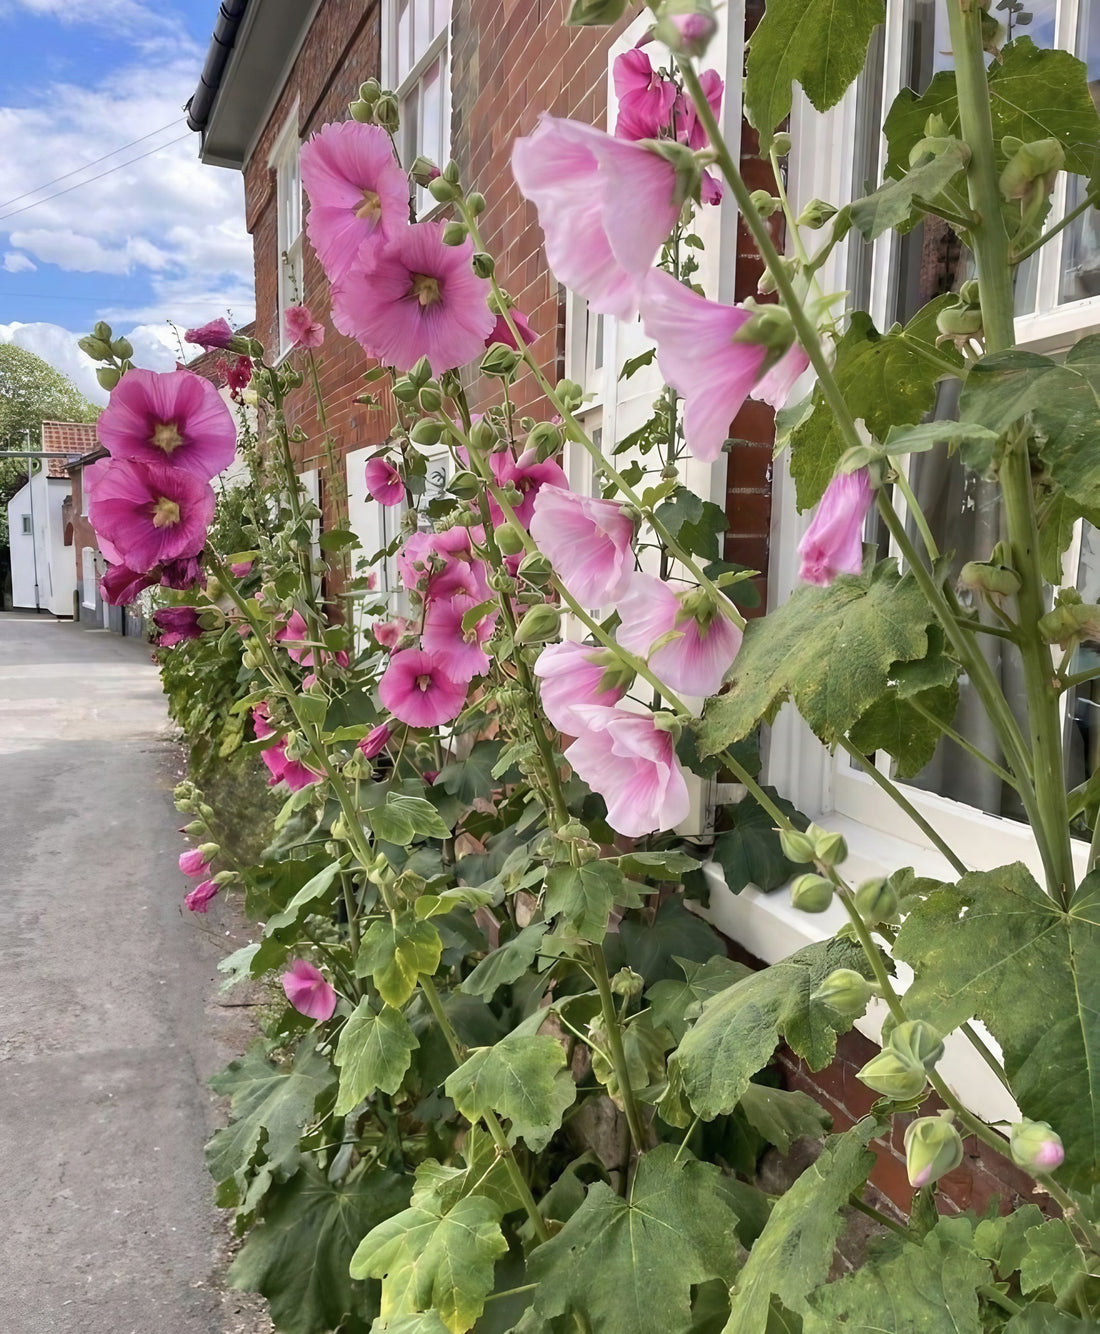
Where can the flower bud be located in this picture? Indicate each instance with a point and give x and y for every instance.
(876, 902)
(465, 485)
(894, 1074)
(102, 331)
(475, 203)
(482, 264)
(545, 439)
(430, 398)
(363, 112)
(108, 377)
(404, 390)
(918, 1040)
(455, 233)
(765, 203)
(482, 437)
(536, 569)
(585, 13)
(797, 846)
(1070, 622)
(509, 540)
(845, 991)
(811, 893)
(95, 348)
(1035, 1147)
(816, 214)
(451, 172)
(1032, 166)
(627, 982)
(829, 849)
(500, 360)
(539, 625)
(443, 191)
(370, 91)
(387, 113)
(933, 1148)
(426, 432)
(986, 577)
(686, 26)
(423, 171)
(781, 144)
(210, 851)
(959, 321)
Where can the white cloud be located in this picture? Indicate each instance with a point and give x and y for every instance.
(16, 263)
(144, 25)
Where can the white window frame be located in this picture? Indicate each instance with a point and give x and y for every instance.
(284, 161)
(439, 45)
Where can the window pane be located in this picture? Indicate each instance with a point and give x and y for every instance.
(441, 15)
(404, 38)
(423, 31)
(410, 125)
(431, 114)
(1081, 248)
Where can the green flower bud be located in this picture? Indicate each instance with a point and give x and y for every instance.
(482, 437)
(108, 377)
(95, 348)
(500, 360)
(210, 851)
(421, 373)
(933, 1148)
(959, 321)
(443, 191)
(894, 1074)
(918, 1040)
(595, 13)
(340, 828)
(370, 91)
(1035, 1147)
(536, 569)
(404, 390)
(845, 991)
(426, 432)
(816, 214)
(811, 893)
(483, 264)
(545, 439)
(195, 828)
(430, 398)
(102, 331)
(509, 540)
(765, 203)
(876, 902)
(423, 171)
(122, 348)
(539, 625)
(455, 233)
(797, 846)
(224, 878)
(465, 485)
(363, 112)
(829, 849)
(476, 203)
(387, 113)
(986, 577)
(1070, 623)
(626, 982)
(1032, 165)
(451, 172)
(781, 144)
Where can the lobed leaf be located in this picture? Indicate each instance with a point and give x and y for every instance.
(524, 1079)
(374, 1052)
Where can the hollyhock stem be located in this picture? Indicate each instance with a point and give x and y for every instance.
(339, 484)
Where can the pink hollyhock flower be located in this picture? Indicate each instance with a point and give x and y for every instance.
(693, 31)
(177, 624)
(689, 130)
(588, 542)
(645, 97)
(459, 651)
(213, 336)
(632, 764)
(605, 207)
(151, 513)
(238, 373)
(376, 740)
(527, 474)
(417, 689)
(240, 568)
(192, 862)
(306, 986)
(833, 543)
(199, 898)
(120, 585)
(174, 417)
(387, 633)
(384, 482)
(573, 678)
(500, 332)
(301, 329)
(261, 723)
(181, 573)
(285, 770)
(295, 636)
(358, 194)
(420, 298)
(697, 661)
(775, 385)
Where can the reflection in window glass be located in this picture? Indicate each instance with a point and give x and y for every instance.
(1081, 247)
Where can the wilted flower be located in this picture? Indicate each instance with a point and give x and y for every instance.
(217, 335)
(174, 417)
(120, 586)
(705, 644)
(376, 740)
(181, 572)
(578, 676)
(309, 991)
(177, 624)
(238, 374)
(417, 689)
(151, 513)
(199, 898)
(193, 862)
(833, 543)
(588, 542)
(632, 764)
(301, 329)
(383, 482)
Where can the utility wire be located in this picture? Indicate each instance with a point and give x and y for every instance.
(91, 179)
(94, 163)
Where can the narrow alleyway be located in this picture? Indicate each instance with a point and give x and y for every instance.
(109, 1226)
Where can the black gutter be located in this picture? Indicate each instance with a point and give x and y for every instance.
(201, 103)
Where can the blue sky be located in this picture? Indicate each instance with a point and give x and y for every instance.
(159, 239)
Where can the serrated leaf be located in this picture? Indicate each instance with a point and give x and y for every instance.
(1058, 517)
(628, 1266)
(750, 853)
(1002, 1239)
(394, 953)
(1042, 1318)
(892, 724)
(507, 963)
(429, 1258)
(972, 944)
(651, 947)
(783, 1115)
(402, 818)
(483, 1172)
(471, 778)
(740, 1028)
(795, 1251)
(312, 894)
(930, 435)
(298, 1255)
(830, 649)
(821, 44)
(583, 896)
(237, 966)
(1053, 1259)
(521, 1078)
(675, 1004)
(892, 204)
(374, 1052)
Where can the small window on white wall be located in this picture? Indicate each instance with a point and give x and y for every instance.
(27, 524)
(288, 202)
(416, 64)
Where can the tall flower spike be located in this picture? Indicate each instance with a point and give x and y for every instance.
(833, 543)
(706, 643)
(151, 513)
(588, 542)
(174, 417)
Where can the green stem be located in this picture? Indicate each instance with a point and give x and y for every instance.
(1091, 199)
(991, 1294)
(618, 1053)
(1094, 845)
(949, 732)
(913, 507)
(869, 1211)
(1079, 679)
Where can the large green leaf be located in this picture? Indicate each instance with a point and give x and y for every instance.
(1042, 1318)
(894, 725)
(675, 1004)
(628, 1266)
(996, 948)
(930, 1288)
(821, 44)
(829, 649)
(269, 1104)
(298, 1255)
(434, 1258)
(374, 1053)
(740, 1028)
(795, 1251)
(892, 204)
(583, 896)
(507, 963)
(313, 894)
(1054, 1259)
(522, 1078)
(784, 1115)
(751, 853)
(395, 952)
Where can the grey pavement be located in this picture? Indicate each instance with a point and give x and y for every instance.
(107, 990)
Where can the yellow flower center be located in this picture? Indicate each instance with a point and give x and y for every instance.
(166, 436)
(425, 289)
(370, 206)
(424, 682)
(165, 513)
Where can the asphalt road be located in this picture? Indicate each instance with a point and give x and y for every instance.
(109, 1018)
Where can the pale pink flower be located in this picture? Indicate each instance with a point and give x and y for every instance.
(645, 97)
(605, 207)
(706, 642)
(527, 474)
(588, 542)
(632, 764)
(151, 513)
(199, 898)
(388, 633)
(309, 991)
(215, 336)
(501, 333)
(417, 689)
(441, 565)
(301, 329)
(376, 740)
(383, 482)
(833, 543)
(420, 298)
(176, 624)
(775, 385)
(192, 862)
(458, 650)
(572, 678)
(358, 194)
(174, 417)
(120, 586)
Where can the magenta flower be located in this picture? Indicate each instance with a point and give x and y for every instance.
(120, 586)
(261, 723)
(573, 677)
(588, 542)
(419, 299)
(295, 636)
(192, 862)
(357, 194)
(527, 474)
(301, 329)
(697, 660)
(181, 573)
(199, 898)
(308, 990)
(833, 543)
(417, 689)
(174, 417)
(632, 764)
(645, 97)
(151, 513)
(689, 130)
(238, 374)
(605, 207)
(240, 568)
(458, 651)
(215, 336)
(177, 624)
(500, 332)
(384, 482)
(285, 770)
(376, 740)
